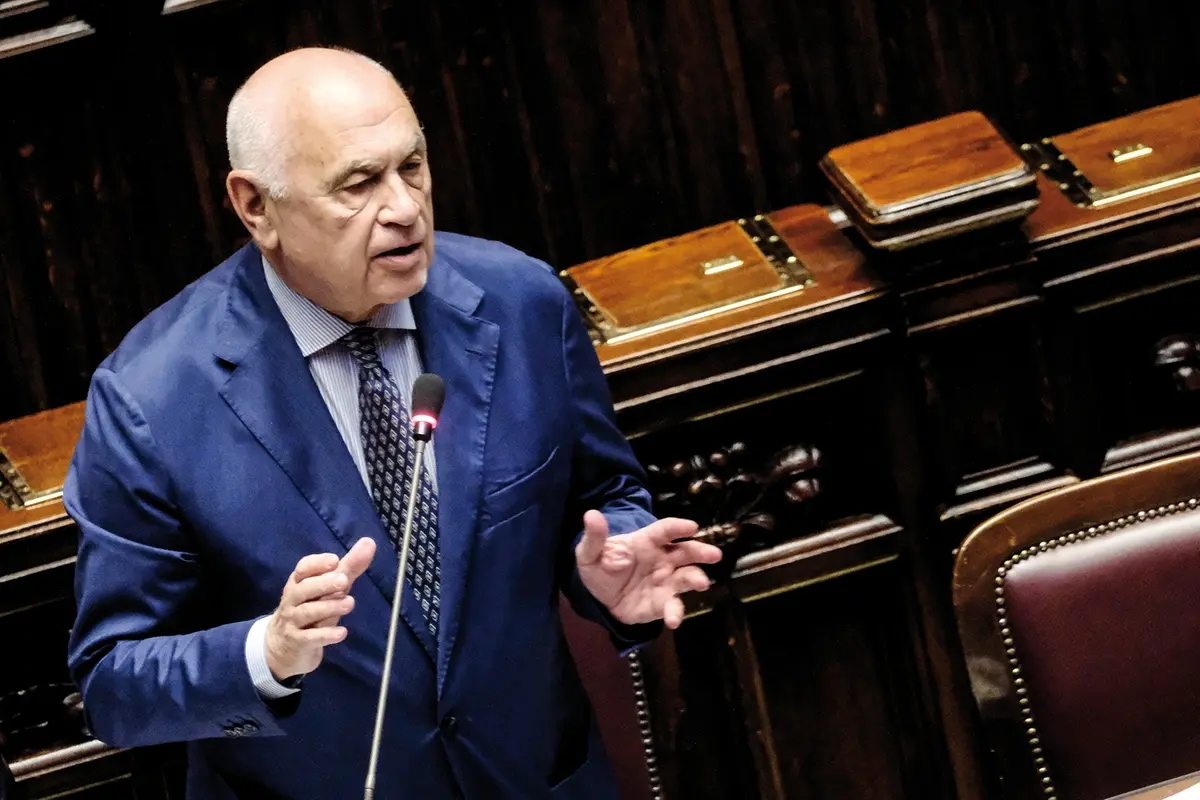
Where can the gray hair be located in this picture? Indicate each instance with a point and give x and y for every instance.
(253, 139)
(254, 143)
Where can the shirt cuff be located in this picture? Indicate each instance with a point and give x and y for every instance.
(256, 661)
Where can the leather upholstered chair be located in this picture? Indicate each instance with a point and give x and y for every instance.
(1079, 615)
(614, 686)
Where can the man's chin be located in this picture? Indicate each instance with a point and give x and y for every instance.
(397, 286)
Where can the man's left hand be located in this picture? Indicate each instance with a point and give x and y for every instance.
(639, 576)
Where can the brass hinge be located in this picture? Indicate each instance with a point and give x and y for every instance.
(11, 484)
(1070, 180)
(15, 492)
(595, 320)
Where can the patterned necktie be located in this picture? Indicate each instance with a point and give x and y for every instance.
(391, 455)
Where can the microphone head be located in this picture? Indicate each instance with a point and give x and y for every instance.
(429, 392)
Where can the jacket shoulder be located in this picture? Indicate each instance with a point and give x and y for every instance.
(500, 269)
(183, 325)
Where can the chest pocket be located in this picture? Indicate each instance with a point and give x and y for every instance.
(545, 483)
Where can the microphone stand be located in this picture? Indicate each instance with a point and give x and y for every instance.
(377, 736)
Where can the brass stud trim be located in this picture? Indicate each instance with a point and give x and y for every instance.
(1004, 624)
(647, 733)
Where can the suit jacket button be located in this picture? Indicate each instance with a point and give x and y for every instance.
(449, 725)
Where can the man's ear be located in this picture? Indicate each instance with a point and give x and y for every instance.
(250, 203)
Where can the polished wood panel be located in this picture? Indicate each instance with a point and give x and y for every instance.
(573, 131)
(884, 409)
(903, 170)
(1135, 168)
(1161, 133)
(38, 448)
(806, 699)
(666, 283)
(706, 269)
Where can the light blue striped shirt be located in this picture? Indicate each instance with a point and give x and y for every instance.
(319, 334)
(335, 371)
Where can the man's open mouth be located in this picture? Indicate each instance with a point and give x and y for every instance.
(401, 251)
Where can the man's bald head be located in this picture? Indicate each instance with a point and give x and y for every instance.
(331, 178)
(281, 101)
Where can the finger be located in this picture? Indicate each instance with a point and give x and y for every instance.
(595, 534)
(308, 615)
(355, 562)
(690, 579)
(668, 529)
(673, 613)
(686, 553)
(312, 588)
(321, 636)
(316, 564)
(330, 621)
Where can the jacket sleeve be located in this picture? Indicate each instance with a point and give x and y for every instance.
(605, 475)
(149, 668)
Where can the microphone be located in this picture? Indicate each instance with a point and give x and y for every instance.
(428, 395)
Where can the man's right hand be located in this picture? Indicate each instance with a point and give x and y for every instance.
(316, 597)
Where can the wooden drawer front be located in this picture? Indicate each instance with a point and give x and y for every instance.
(818, 692)
(59, 759)
(990, 410)
(37, 568)
(95, 772)
(1133, 336)
(801, 672)
(33, 717)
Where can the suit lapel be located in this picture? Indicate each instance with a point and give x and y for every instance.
(273, 393)
(461, 348)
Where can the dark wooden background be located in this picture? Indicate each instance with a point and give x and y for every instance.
(568, 129)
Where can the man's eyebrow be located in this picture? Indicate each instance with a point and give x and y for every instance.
(370, 165)
(418, 145)
(366, 165)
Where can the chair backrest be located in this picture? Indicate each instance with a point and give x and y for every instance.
(613, 684)
(1079, 616)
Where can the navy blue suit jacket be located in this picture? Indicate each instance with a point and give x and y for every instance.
(209, 465)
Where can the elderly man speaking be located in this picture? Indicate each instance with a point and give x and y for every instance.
(236, 572)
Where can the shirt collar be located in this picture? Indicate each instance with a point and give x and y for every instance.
(315, 328)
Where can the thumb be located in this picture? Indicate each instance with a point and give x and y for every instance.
(595, 534)
(355, 562)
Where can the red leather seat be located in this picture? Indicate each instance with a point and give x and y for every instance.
(1079, 612)
(609, 682)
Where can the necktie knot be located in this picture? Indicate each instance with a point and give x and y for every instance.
(364, 347)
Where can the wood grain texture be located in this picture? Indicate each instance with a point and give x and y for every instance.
(1166, 130)
(576, 131)
(39, 447)
(911, 166)
(572, 131)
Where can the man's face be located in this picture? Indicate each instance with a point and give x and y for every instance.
(355, 230)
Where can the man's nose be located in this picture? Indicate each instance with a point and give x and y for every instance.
(401, 204)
